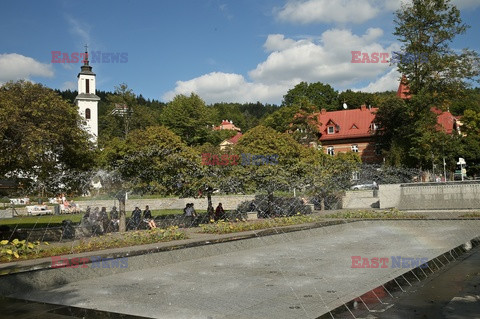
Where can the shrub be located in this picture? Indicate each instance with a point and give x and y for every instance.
(281, 206)
(225, 227)
(17, 248)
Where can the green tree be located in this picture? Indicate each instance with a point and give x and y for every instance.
(281, 174)
(323, 96)
(43, 139)
(152, 161)
(122, 113)
(470, 142)
(328, 176)
(426, 28)
(394, 122)
(189, 118)
(355, 100)
(281, 119)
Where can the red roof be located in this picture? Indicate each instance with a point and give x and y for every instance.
(226, 125)
(403, 91)
(234, 140)
(445, 119)
(347, 123)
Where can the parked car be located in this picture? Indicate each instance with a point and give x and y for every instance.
(363, 186)
(38, 210)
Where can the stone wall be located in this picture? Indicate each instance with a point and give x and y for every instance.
(389, 195)
(359, 199)
(450, 195)
(228, 202)
(434, 196)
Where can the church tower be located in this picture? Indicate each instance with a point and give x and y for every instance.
(86, 100)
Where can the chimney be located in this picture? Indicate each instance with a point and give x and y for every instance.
(363, 107)
(323, 111)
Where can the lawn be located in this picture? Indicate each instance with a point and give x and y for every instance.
(43, 221)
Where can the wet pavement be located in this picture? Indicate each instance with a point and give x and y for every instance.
(452, 292)
(302, 274)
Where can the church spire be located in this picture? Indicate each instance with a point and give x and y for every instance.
(86, 99)
(85, 60)
(86, 68)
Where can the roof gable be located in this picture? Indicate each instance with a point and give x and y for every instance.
(352, 123)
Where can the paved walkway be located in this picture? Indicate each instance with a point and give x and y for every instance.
(301, 274)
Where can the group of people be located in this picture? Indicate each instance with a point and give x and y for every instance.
(191, 217)
(136, 220)
(217, 214)
(98, 221)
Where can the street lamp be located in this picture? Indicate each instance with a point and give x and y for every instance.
(462, 163)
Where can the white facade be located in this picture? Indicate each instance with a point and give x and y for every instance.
(87, 101)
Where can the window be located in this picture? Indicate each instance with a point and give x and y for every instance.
(330, 150)
(87, 114)
(373, 126)
(87, 86)
(355, 148)
(331, 130)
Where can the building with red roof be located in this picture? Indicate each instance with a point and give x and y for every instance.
(227, 125)
(350, 131)
(446, 121)
(230, 142)
(354, 130)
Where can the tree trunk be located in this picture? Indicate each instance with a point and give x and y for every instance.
(270, 204)
(210, 211)
(122, 214)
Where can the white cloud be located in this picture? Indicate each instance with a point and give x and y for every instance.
(345, 11)
(69, 85)
(227, 87)
(79, 30)
(277, 42)
(318, 11)
(15, 67)
(387, 82)
(327, 59)
(460, 4)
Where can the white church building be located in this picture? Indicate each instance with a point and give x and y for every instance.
(86, 100)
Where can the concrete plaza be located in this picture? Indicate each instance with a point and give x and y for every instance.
(301, 274)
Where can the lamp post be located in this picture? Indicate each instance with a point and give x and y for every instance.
(433, 167)
(462, 163)
(444, 169)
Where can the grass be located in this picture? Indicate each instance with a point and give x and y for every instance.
(387, 214)
(474, 215)
(226, 227)
(44, 221)
(16, 249)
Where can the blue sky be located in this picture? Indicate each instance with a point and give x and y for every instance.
(232, 51)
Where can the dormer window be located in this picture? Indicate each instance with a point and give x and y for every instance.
(331, 130)
(373, 126)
